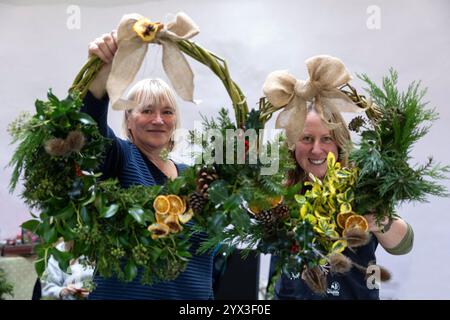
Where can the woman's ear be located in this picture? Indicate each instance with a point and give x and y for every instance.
(127, 119)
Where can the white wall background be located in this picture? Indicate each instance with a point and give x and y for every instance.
(38, 51)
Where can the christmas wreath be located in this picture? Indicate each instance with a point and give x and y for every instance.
(60, 151)
(328, 217)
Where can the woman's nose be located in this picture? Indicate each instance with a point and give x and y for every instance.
(316, 148)
(157, 119)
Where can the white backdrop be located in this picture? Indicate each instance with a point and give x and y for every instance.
(42, 46)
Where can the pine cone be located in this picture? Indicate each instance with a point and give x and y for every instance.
(280, 212)
(266, 217)
(356, 123)
(197, 202)
(271, 216)
(205, 177)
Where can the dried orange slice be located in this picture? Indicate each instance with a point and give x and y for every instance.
(173, 223)
(356, 221)
(276, 200)
(160, 217)
(342, 217)
(176, 204)
(255, 208)
(158, 230)
(185, 217)
(161, 204)
(146, 29)
(184, 204)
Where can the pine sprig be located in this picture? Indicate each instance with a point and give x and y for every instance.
(386, 177)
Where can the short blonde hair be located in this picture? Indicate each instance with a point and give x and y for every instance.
(151, 92)
(340, 134)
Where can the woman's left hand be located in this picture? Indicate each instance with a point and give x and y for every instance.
(373, 225)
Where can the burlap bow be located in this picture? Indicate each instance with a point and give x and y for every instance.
(131, 52)
(326, 75)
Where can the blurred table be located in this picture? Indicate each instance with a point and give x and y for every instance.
(21, 274)
(17, 250)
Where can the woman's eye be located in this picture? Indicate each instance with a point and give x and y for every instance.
(307, 139)
(327, 139)
(146, 111)
(168, 112)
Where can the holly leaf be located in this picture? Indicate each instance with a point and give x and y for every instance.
(137, 213)
(108, 212)
(40, 107)
(86, 119)
(52, 98)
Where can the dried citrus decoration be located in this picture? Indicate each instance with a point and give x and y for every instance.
(161, 217)
(146, 29)
(255, 208)
(356, 221)
(158, 230)
(342, 217)
(176, 204)
(185, 217)
(173, 223)
(161, 204)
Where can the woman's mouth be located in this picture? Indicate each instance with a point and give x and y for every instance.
(317, 162)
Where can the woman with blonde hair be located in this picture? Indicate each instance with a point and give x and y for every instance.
(138, 160)
(314, 127)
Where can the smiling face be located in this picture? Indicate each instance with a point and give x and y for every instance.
(315, 142)
(152, 126)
